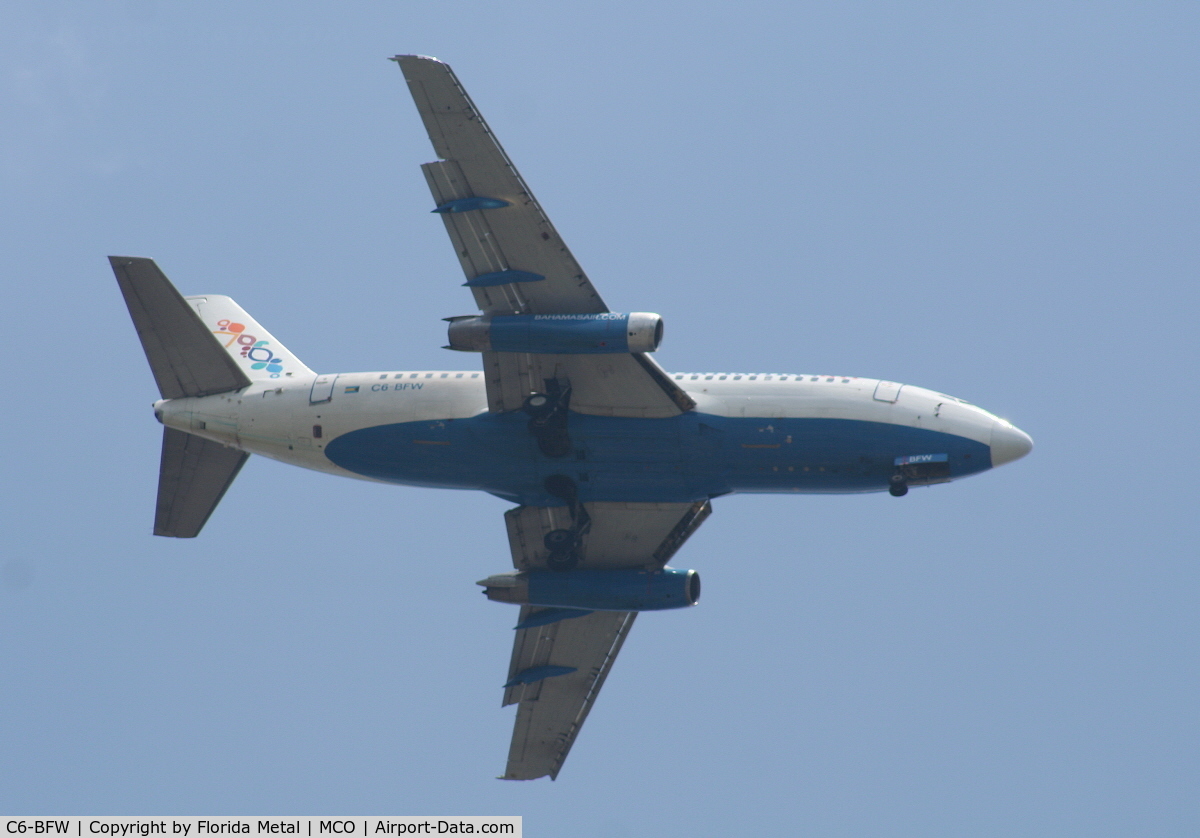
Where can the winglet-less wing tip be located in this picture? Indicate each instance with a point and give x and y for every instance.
(397, 58)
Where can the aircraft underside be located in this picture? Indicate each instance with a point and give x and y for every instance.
(681, 459)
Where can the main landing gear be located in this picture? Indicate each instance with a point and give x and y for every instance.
(548, 419)
(898, 485)
(565, 545)
(548, 414)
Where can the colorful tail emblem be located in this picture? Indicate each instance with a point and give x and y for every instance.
(252, 349)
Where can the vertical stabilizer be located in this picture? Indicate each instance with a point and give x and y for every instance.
(255, 350)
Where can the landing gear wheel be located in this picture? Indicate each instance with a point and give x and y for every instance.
(562, 560)
(536, 404)
(557, 540)
(898, 486)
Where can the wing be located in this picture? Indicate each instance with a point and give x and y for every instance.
(516, 263)
(561, 657)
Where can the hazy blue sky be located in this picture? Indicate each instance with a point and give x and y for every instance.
(998, 201)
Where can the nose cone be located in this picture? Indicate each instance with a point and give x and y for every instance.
(1008, 443)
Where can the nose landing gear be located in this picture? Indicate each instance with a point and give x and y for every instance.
(898, 485)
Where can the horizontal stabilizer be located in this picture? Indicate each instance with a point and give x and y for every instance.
(192, 479)
(184, 355)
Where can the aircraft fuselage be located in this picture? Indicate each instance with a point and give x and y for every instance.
(748, 433)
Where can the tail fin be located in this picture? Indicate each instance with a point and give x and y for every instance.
(255, 350)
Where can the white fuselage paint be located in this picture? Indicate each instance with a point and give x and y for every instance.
(275, 417)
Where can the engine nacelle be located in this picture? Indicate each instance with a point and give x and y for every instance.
(558, 334)
(598, 590)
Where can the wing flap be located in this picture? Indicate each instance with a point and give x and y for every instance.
(601, 385)
(619, 534)
(478, 249)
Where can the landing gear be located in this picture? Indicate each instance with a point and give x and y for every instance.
(565, 545)
(548, 419)
(556, 540)
(562, 560)
(898, 485)
(537, 404)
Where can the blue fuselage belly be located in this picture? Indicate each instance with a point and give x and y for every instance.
(683, 458)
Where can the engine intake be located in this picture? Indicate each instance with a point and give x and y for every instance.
(558, 334)
(597, 590)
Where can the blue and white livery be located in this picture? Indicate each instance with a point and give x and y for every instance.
(610, 462)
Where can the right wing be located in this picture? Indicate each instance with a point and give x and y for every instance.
(560, 660)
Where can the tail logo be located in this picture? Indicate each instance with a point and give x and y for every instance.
(252, 349)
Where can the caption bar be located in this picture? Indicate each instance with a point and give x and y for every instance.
(206, 827)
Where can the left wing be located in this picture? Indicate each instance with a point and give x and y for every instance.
(516, 263)
(561, 656)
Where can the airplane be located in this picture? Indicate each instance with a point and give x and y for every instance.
(611, 462)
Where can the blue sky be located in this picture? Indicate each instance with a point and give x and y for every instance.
(997, 201)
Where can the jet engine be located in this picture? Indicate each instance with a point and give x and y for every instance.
(557, 334)
(597, 590)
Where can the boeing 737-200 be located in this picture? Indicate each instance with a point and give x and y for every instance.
(611, 462)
